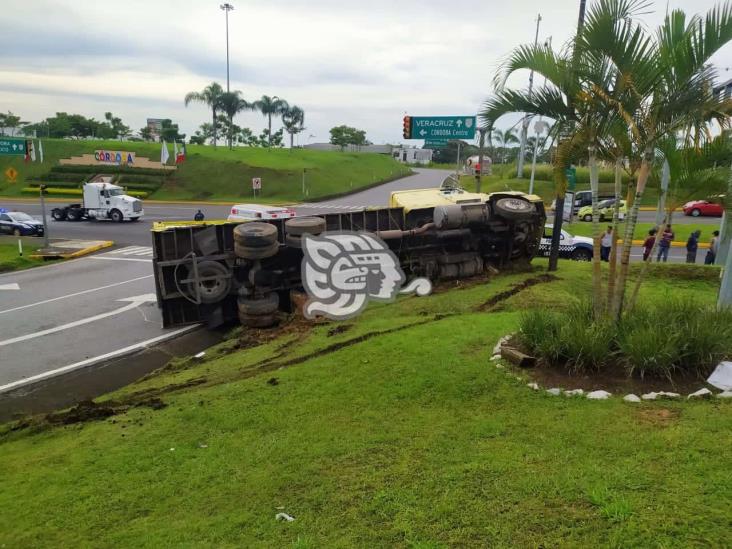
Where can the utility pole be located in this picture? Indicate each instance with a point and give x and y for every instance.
(42, 189)
(525, 124)
(227, 8)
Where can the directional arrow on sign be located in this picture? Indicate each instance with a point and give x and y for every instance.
(132, 302)
(423, 132)
(459, 123)
(12, 286)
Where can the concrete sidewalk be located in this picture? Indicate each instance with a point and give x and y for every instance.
(68, 249)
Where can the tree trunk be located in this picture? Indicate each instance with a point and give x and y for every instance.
(230, 132)
(644, 269)
(725, 232)
(630, 223)
(214, 127)
(725, 289)
(596, 266)
(269, 128)
(612, 267)
(556, 233)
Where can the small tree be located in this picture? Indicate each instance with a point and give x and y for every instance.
(293, 119)
(210, 96)
(346, 135)
(169, 131)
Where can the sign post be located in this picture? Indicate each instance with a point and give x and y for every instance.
(256, 185)
(42, 190)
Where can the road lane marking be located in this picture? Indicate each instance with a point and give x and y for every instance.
(12, 286)
(75, 294)
(134, 302)
(121, 259)
(96, 359)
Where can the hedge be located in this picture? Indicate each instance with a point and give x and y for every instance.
(66, 185)
(75, 192)
(101, 168)
(77, 178)
(544, 173)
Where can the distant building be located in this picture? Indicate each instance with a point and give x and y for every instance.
(155, 125)
(412, 156)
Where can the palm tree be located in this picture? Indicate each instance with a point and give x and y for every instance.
(504, 138)
(270, 106)
(293, 119)
(210, 95)
(232, 104)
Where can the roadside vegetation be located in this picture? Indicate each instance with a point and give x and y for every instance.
(394, 429)
(10, 260)
(216, 173)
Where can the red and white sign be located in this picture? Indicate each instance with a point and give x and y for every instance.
(256, 183)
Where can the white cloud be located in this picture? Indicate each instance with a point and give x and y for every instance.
(361, 64)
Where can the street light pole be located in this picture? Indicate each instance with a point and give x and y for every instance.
(525, 125)
(227, 8)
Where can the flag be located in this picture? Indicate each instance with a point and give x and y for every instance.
(175, 151)
(40, 149)
(33, 151)
(164, 154)
(180, 155)
(28, 149)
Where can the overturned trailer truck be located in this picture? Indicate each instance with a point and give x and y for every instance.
(219, 272)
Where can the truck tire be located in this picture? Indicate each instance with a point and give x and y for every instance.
(211, 291)
(514, 208)
(266, 305)
(58, 214)
(255, 235)
(116, 216)
(249, 252)
(298, 226)
(73, 214)
(293, 241)
(257, 321)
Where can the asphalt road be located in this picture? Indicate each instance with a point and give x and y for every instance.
(66, 316)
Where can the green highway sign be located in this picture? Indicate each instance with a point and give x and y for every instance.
(442, 128)
(12, 146)
(435, 143)
(571, 174)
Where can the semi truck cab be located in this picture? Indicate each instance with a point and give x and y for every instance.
(102, 201)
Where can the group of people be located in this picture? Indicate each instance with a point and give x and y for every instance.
(692, 245)
(664, 244)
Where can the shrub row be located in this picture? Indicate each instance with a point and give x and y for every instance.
(94, 169)
(68, 185)
(65, 191)
(673, 337)
(77, 178)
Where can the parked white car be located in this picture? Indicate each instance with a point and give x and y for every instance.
(255, 212)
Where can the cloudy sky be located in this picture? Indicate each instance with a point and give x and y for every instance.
(344, 62)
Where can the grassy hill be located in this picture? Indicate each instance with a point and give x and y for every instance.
(391, 430)
(220, 174)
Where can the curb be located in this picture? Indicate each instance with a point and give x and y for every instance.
(674, 244)
(78, 253)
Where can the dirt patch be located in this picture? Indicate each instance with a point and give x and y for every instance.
(339, 329)
(87, 410)
(515, 289)
(658, 417)
(614, 380)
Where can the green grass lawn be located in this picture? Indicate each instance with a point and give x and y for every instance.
(220, 174)
(10, 260)
(396, 431)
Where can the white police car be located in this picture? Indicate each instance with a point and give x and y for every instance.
(578, 248)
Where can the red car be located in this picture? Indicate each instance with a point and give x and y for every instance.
(695, 208)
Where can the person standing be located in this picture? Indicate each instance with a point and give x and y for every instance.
(713, 249)
(648, 244)
(198, 216)
(606, 243)
(667, 236)
(692, 245)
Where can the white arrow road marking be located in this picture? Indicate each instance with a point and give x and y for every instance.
(135, 301)
(96, 359)
(75, 294)
(13, 286)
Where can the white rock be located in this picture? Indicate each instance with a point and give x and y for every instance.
(554, 391)
(284, 516)
(650, 396)
(574, 392)
(722, 376)
(534, 386)
(496, 357)
(701, 393)
(631, 398)
(598, 395)
(666, 394)
(497, 349)
(500, 366)
(725, 394)
(200, 355)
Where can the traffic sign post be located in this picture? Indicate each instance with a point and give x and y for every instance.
(256, 185)
(571, 178)
(14, 147)
(11, 174)
(442, 128)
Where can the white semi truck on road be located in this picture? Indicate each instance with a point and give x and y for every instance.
(101, 200)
